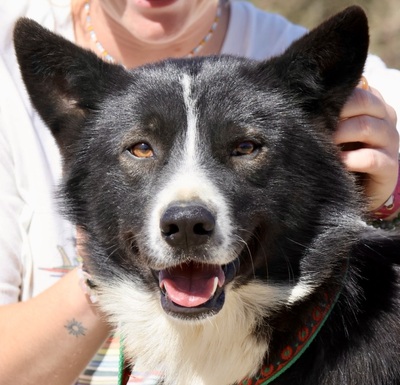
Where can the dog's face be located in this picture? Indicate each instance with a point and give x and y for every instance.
(197, 178)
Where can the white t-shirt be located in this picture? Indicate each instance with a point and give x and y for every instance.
(37, 246)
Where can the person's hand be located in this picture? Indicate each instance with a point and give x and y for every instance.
(370, 142)
(80, 242)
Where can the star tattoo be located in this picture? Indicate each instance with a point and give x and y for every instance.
(75, 328)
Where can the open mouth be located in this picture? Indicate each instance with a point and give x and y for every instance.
(195, 289)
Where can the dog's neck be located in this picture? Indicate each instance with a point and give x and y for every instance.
(291, 352)
(302, 338)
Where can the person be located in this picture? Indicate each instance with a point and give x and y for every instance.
(50, 333)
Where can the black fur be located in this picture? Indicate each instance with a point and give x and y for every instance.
(291, 200)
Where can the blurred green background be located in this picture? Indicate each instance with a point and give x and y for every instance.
(383, 15)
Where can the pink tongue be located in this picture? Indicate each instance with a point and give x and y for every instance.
(191, 284)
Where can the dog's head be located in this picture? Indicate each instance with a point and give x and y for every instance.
(196, 178)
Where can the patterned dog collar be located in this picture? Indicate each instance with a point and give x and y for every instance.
(303, 338)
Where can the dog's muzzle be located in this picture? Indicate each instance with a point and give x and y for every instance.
(194, 288)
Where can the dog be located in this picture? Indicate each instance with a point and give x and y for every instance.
(225, 237)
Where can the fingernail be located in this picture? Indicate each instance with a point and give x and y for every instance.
(363, 83)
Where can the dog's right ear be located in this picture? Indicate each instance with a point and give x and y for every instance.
(323, 67)
(65, 82)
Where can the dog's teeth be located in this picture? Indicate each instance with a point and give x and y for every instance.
(162, 287)
(216, 281)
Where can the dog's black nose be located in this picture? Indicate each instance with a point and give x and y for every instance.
(187, 225)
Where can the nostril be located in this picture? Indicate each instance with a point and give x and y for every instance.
(169, 229)
(185, 225)
(203, 228)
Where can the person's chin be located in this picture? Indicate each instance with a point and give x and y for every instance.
(155, 3)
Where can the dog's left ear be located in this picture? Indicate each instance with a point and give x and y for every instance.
(322, 68)
(65, 82)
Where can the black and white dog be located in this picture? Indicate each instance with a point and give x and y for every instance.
(225, 237)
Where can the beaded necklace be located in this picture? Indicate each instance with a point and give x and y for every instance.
(107, 57)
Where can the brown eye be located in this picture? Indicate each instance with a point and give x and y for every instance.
(244, 148)
(141, 150)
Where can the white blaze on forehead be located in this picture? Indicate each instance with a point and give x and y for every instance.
(192, 131)
(191, 181)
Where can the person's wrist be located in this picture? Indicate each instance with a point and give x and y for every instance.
(387, 216)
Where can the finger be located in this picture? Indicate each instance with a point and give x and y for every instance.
(364, 102)
(81, 239)
(363, 160)
(381, 167)
(371, 131)
(380, 172)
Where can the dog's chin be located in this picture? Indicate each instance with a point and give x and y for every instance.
(192, 290)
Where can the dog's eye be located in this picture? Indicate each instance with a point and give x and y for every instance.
(141, 150)
(244, 148)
